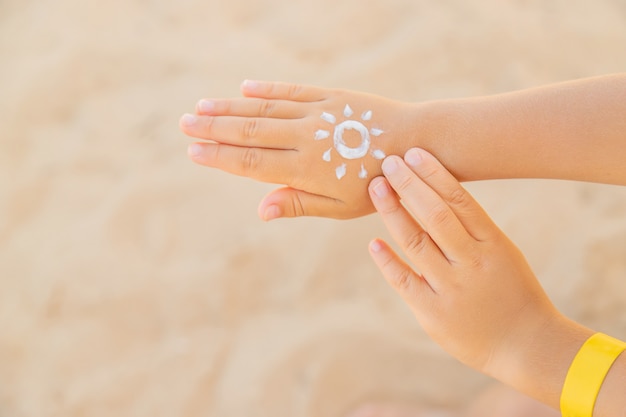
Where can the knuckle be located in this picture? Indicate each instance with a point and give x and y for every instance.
(250, 128)
(226, 106)
(458, 197)
(208, 126)
(266, 108)
(250, 159)
(416, 242)
(390, 209)
(403, 279)
(475, 260)
(270, 90)
(294, 91)
(438, 216)
(297, 206)
(404, 184)
(211, 155)
(428, 171)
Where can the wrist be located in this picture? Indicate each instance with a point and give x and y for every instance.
(443, 128)
(536, 358)
(413, 127)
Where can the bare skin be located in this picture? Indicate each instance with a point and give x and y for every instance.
(508, 328)
(574, 130)
(571, 131)
(270, 135)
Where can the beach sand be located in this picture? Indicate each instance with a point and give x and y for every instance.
(135, 283)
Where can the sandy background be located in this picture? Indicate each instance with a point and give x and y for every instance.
(134, 283)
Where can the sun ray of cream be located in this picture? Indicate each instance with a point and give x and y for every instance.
(341, 171)
(348, 111)
(366, 115)
(376, 132)
(321, 134)
(326, 156)
(378, 154)
(327, 117)
(363, 172)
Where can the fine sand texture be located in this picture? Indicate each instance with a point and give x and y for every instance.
(134, 283)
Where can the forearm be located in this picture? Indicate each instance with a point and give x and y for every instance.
(574, 130)
(276, 133)
(538, 366)
(536, 359)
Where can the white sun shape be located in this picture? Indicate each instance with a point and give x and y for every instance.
(340, 144)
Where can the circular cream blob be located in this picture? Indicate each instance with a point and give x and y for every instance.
(343, 149)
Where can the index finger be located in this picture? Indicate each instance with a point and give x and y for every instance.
(471, 215)
(283, 91)
(433, 213)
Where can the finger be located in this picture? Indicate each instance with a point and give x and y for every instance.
(428, 207)
(283, 91)
(267, 165)
(243, 131)
(289, 202)
(471, 215)
(251, 107)
(413, 288)
(413, 240)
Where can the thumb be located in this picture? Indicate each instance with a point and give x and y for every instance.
(289, 202)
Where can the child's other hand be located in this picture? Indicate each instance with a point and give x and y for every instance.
(324, 144)
(469, 287)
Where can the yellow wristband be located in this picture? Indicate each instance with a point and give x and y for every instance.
(586, 374)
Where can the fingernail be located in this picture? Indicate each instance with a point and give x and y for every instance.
(189, 119)
(375, 246)
(413, 157)
(194, 150)
(390, 165)
(206, 106)
(381, 190)
(272, 212)
(250, 84)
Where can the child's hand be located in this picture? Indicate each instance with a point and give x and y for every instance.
(469, 287)
(325, 145)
